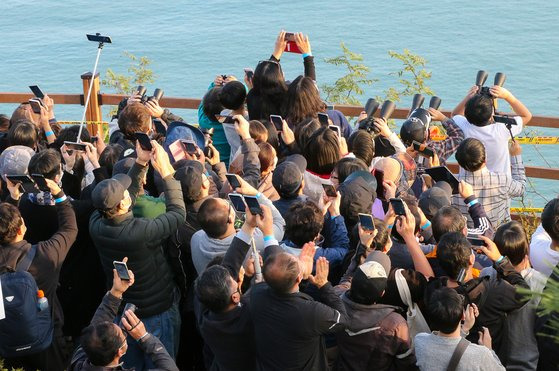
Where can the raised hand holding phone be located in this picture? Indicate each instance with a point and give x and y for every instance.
(120, 285)
(280, 45)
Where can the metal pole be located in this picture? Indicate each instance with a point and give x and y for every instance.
(89, 92)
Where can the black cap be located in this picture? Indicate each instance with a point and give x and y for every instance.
(415, 127)
(109, 192)
(434, 198)
(123, 166)
(288, 175)
(190, 175)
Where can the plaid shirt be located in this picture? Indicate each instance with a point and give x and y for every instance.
(444, 148)
(494, 191)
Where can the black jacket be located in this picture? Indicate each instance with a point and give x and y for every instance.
(229, 335)
(150, 345)
(141, 240)
(288, 328)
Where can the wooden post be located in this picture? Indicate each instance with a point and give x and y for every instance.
(93, 112)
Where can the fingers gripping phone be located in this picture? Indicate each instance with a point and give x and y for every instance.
(37, 91)
(329, 190)
(323, 119)
(144, 141)
(233, 181)
(398, 206)
(25, 182)
(423, 149)
(41, 182)
(367, 222)
(121, 270)
(189, 147)
(291, 46)
(35, 105)
(249, 73)
(277, 121)
(253, 205)
(74, 146)
(237, 202)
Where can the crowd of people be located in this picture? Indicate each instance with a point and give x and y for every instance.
(247, 243)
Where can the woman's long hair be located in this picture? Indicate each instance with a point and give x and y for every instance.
(268, 84)
(303, 100)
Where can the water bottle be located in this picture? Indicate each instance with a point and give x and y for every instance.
(42, 302)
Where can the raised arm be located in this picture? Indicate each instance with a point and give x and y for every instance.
(459, 109)
(517, 106)
(482, 224)
(454, 136)
(405, 225)
(250, 150)
(517, 185)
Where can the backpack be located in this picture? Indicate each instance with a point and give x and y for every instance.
(24, 329)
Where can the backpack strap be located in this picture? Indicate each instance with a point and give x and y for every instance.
(457, 355)
(403, 288)
(25, 263)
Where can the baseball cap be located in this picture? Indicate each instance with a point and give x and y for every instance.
(15, 159)
(434, 198)
(190, 175)
(370, 279)
(181, 130)
(123, 166)
(288, 175)
(109, 192)
(415, 127)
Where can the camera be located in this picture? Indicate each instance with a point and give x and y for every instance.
(157, 94)
(368, 124)
(481, 77)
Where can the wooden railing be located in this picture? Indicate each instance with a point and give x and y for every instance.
(99, 99)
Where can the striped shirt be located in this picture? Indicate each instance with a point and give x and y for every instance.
(494, 191)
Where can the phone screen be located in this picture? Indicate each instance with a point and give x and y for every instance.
(379, 176)
(335, 129)
(233, 181)
(41, 182)
(237, 202)
(277, 121)
(144, 141)
(253, 205)
(121, 270)
(367, 222)
(37, 91)
(189, 147)
(398, 206)
(476, 241)
(249, 72)
(35, 106)
(323, 118)
(75, 146)
(329, 190)
(439, 173)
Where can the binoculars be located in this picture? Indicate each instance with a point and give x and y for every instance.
(157, 94)
(482, 77)
(371, 107)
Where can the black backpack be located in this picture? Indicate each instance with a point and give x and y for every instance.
(24, 329)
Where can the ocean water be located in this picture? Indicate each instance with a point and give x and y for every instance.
(190, 42)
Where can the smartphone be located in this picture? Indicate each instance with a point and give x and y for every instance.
(25, 182)
(40, 182)
(367, 222)
(233, 181)
(442, 173)
(336, 129)
(99, 38)
(144, 140)
(121, 270)
(159, 127)
(329, 107)
(474, 241)
(423, 149)
(253, 205)
(330, 190)
(277, 121)
(35, 105)
(190, 147)
(398, 206)
(379, 176)
(291, 46)
(75, 146)
(249, 73)
(237, 202)
(37, 91)
(128, 306)
(323, 119)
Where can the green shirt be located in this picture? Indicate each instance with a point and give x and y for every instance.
(149, 207)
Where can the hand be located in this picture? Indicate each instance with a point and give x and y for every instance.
(44, 118)
(160, 160)
(362, 116)
(411, 151)
(14, 189)
(382, 125)
(433, 161)
(229, 79)
(334, 207)
(91, 155)
(53, 187)
(154, 109)
(49, 103)
(100, 144)
(286, 133)
(242, 126)
(514, 148)
(251, 221)
(133, 325)
(471, 313)
(490, 249)
(437, 115)
(473, 91)
(303, 43)
(320, 277)
(219, 80)
(142, 156)
(134, 98)
(500, 92)
(69, 159)
(485, 338)
(343, 146)
(390, 216)
(249, 265)
(246, 189)
(280, 45)
(265, 221)
(465, 189)
(422, 217)
(367, 237)
(389, 189)
(405, 224)
(120, 286)
(214, 160)
(306, 259)
(248, 82)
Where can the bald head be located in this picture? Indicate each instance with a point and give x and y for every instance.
(281, 272)
(391, 168)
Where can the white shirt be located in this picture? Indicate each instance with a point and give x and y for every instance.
(542, 257)
(495, 138)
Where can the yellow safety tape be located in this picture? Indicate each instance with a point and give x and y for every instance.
(86, 122)
(521, 140)
(526, 209)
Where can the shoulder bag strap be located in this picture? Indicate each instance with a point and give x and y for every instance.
(25, 263)
(457, 355)
(403, 288)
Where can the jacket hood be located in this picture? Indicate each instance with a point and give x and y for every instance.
(364, 318)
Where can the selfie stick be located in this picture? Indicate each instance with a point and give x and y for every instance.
(99, 48)
(257, 268)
